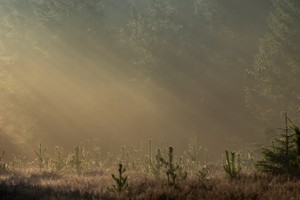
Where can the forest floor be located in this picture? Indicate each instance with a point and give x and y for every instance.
(32, 184)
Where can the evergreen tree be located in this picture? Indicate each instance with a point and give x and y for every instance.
(283, 157)
(276, 70)
(151, 29)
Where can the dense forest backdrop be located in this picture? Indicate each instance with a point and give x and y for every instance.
(125, 71)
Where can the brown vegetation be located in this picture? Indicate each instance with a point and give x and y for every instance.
(47, 185)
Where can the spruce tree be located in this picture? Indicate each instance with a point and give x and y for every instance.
(283, 157)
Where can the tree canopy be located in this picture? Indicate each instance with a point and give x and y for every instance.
(276, 68)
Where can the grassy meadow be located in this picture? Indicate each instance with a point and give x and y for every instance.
(86, 173)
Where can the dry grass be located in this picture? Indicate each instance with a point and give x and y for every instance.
(29, 184)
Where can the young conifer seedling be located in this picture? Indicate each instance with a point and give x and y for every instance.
(77, 158)
(203, 173)
(3, 166)
(171, 168)
(120, 180)
(41, 156)
(155, 165)
(58, 162)
(232, 165)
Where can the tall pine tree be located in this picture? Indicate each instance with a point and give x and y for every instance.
(276, 69)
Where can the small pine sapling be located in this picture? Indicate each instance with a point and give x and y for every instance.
(297, 141)
(182, 169)
(41, 156)
(150, 150)
(194, 153)
(16, 162)
(77, 159)
(203, 173)
(155, 165)
(232, 165)
(3, 166)
(172, 169)
(1, 155)
(133, 159)
(194, 149)
(58, 162)
(120, 180)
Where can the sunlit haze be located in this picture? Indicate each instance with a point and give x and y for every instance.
(125, 72)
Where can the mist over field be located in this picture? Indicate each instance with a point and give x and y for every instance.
(126, 71)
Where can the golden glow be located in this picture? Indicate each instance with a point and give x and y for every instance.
(61, 92)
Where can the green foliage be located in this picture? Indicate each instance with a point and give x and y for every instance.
(58, 162)
(150, 30)
(276, 67)
(120, 180)
(297, 134)
(232, 165)
(77, 159)
(153, 165)
(172, 170)
(41, 156)
(283, 156)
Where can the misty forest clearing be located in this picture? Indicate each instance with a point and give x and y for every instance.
(149, 99)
